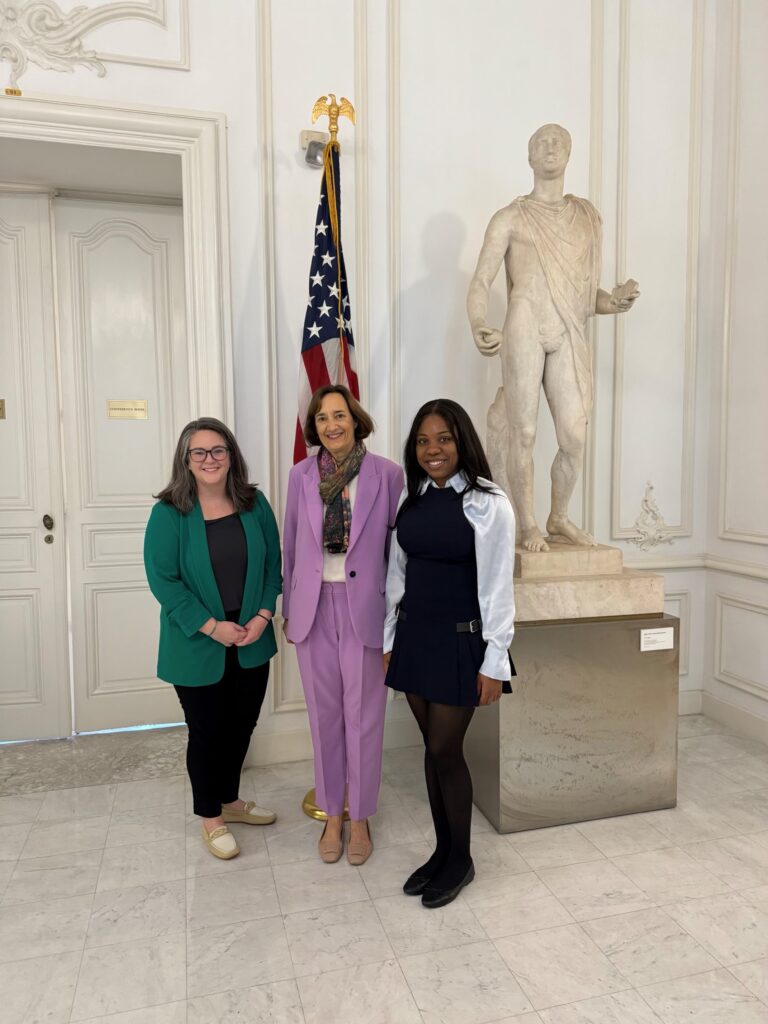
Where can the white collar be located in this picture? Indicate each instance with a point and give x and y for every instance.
(458, 482)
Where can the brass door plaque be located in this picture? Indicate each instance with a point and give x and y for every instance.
(2, 408)
(127, 408)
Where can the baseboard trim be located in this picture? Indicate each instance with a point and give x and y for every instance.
(745, 723)
(689, 702)
(280, 747)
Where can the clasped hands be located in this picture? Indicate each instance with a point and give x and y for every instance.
(232, 634)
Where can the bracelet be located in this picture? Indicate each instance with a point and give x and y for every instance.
(263, 617)
(215, 624)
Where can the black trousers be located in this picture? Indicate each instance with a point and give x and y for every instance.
(221, 718)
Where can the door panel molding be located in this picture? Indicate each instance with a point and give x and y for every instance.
(199, 140)
(35, 693)
(122, 336)
(83, 250)
(16, 377)
(107, 547)
(102, 603)
(18, 552)
(24, 627)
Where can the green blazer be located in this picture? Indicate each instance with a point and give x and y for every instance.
(181, 577)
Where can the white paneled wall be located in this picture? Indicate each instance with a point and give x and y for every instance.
(665, 103)
(736, 678)
(657, 243)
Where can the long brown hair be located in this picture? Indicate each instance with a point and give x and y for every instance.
(181, 490)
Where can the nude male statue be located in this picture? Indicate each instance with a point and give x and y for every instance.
(550, 245)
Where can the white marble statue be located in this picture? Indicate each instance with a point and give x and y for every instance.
(550, 246)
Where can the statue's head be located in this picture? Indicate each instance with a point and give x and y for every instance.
(548, 150)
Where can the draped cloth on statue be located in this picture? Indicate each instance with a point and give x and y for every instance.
(567, 237)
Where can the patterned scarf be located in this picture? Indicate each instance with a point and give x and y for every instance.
(334, 490)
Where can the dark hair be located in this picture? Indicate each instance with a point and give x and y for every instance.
(181, 490)
(363, 422)
(472, 458)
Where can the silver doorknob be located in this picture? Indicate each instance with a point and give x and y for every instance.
(48, 521)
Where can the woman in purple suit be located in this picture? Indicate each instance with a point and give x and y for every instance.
(340, 507)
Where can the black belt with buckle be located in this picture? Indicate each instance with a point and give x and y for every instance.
(461, 627)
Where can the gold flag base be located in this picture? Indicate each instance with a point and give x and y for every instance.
(311, 809)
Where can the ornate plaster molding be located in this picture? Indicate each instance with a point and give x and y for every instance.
(39, 32)
(650, 528)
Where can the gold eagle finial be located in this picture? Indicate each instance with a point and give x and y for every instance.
(327, 105)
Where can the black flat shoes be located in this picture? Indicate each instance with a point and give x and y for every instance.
(416, 884)
(433, 898)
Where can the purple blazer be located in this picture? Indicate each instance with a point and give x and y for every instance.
(379, 486)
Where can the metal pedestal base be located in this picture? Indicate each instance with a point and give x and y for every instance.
(311, 809)
(590, 731)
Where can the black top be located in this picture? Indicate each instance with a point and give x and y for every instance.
(229, 557)
(429, 657)
(441, 571)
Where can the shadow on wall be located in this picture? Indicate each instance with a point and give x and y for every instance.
(438, 358)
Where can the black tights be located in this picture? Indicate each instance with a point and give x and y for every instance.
(449, 786)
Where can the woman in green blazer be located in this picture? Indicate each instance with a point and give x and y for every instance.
(212, 556)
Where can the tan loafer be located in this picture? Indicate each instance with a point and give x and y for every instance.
(221, 842)
(357, 852)
(251, 814)
(331, 850)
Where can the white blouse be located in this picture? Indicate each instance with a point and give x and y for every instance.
(490, 515)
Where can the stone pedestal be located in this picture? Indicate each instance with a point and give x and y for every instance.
(589, 732)
(591, 728)
(569, 582)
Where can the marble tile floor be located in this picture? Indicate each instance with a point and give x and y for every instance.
(112, 912)
(94, 760)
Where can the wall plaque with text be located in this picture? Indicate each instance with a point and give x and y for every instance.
(2, 408)
(127, 408)
(657, 639)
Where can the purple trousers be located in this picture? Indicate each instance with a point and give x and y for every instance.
(344, 687)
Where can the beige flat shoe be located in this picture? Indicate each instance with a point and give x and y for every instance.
(331, 850)
(221, 843)
(251, 814)
(357, 852)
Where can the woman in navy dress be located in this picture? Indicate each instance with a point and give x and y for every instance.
(450, 620)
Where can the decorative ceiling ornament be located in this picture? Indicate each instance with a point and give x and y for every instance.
(650, 525)
(39, 32)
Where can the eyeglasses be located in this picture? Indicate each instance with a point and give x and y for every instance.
(218, 454)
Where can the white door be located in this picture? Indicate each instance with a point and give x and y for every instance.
(123, 353)
(34, 675)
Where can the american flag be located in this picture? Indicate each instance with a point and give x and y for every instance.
(327, 346)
